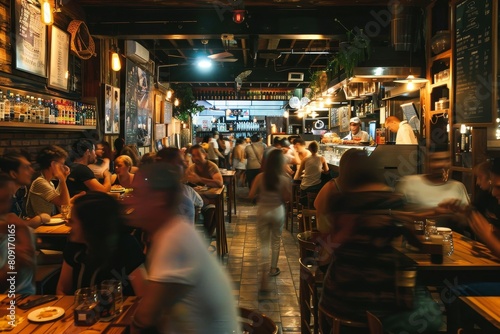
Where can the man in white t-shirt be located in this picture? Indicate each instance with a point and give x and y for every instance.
(405, 134)
(188, 291)
(355, 132)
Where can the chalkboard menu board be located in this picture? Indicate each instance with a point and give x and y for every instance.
(473, 61)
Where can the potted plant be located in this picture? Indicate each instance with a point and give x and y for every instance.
(187, 103)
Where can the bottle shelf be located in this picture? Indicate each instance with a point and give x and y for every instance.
(443, 55)
(440, 84)
(24, 125)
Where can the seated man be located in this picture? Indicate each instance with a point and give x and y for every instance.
(205, 172)
(81, 177)
(427, 191)
(11, 225)
(16, 164)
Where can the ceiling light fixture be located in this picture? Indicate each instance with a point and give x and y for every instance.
(170, 93)
(239, 15)
(176, 102)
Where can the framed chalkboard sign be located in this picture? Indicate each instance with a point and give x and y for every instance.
(473, 61)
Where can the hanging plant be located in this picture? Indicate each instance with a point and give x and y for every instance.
(351, 52)
(187, 103)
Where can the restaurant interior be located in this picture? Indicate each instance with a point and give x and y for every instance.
(162, 73)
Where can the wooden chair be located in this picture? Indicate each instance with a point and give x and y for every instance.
(308, 221)
(311, 284)
(337, 322)
(252, 321)
(46, 277)
(374, 323)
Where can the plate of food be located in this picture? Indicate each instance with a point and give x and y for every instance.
(9, 322)
(200, 188)
(55, 221)
(117, 189)
(44, 314)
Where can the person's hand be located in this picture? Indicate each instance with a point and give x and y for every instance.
(193, 178)
(478, 223)
(106, 174)
(72, 199)
(61, 172)
(452, 205)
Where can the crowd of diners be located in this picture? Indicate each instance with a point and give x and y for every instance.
(183, 287)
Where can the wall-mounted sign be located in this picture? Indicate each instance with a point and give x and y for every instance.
(59, 59)
(31, 39)
(473, 63)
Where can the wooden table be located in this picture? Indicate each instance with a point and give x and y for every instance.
(482, 311)
(229, 178)
(471, 261)
(60, 230)
(217, 195)
(65, 324)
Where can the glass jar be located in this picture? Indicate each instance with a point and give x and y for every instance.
(441, 41)
(447, 240)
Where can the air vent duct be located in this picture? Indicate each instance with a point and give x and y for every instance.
(401, 27)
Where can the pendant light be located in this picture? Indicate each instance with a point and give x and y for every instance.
(410, 80)
(116, 65)
(47, 13)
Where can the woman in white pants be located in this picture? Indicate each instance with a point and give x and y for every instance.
(272, 189)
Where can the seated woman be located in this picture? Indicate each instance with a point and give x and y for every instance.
(43, 196)
(312, 167)
(123, 176)
(133, 153)
(362, 274)
(99, 249)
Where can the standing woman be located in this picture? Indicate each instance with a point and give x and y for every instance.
(123, 175)
(239, 161)
(273, 189)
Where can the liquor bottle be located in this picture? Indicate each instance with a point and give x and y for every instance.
(2, 107)
(12, 100)
(17, 108)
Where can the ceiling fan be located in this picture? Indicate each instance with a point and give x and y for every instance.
(205, 60)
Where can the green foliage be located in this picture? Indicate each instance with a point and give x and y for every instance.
(355, 50)
(187, 103)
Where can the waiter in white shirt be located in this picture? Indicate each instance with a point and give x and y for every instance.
(405, 134)
(356, 133)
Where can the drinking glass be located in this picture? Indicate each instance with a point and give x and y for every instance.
(419, 227)
(447, 234)
(65, 209)
(86, 296)
(430, 228)
(107, 305)
(115, 287)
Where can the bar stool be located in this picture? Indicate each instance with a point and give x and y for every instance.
(337, 322)
(311, 285)
(252, 321)
(374, 324)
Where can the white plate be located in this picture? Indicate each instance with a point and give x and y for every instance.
(55, 221)
(44, 314)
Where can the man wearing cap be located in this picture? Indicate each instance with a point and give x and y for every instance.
(405, 134)
(356, 133)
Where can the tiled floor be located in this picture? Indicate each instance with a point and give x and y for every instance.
(281, 304)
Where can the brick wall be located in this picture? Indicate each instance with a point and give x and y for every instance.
(32, 140)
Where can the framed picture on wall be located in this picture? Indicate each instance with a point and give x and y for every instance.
(158, 108)
(30, 39)
(59, 59)
(167, 113)
(115, 107)
(108, 109)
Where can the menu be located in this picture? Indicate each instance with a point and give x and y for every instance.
(473, 61)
